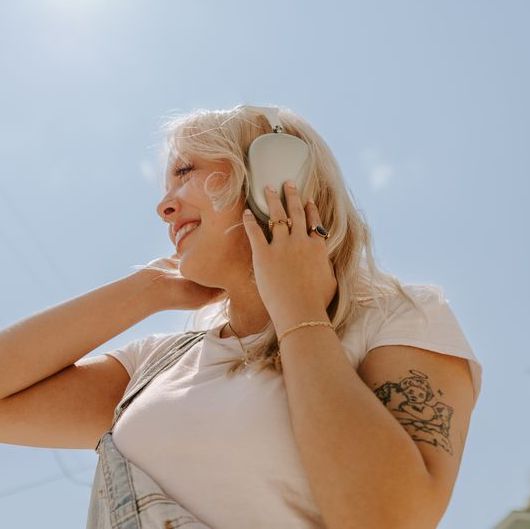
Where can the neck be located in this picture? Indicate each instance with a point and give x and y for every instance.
(245, 319)
(246, 312)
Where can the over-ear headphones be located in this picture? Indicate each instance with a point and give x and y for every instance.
(274, 158)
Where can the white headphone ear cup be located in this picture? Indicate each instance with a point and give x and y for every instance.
(272, 159)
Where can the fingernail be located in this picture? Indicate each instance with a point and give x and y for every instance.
(291, 184)
(310, 200)
(270, 188)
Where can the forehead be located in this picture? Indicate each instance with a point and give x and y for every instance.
(177, 158)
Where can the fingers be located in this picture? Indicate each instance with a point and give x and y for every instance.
(295, 211)
(255, 235)
(313, 218)
(302, 218)
(276, 212)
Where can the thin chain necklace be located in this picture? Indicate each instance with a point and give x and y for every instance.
(245, 356)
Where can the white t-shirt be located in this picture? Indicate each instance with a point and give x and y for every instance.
(224, 448)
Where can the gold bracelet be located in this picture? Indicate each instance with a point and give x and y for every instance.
(304, 324)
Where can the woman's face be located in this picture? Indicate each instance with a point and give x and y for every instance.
(208, 255)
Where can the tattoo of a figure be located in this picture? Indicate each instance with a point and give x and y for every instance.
(412, 402)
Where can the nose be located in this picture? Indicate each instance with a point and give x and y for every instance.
(166, 208)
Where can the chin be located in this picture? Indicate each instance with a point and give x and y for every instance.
(196, 273)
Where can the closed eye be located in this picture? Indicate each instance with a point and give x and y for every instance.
(183, 170)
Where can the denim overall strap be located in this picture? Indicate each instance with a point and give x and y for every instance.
(124, 496)
(156, 366)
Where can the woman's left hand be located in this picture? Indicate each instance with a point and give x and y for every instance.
(293, 272)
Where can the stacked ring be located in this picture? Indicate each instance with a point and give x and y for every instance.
(317, 228)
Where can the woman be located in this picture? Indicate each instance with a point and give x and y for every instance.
(320, 391)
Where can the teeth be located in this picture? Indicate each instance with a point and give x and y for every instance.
(185, 229)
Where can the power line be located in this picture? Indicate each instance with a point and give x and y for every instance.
(68, 473)
(35, 241)
(61, 277)
(39, 483)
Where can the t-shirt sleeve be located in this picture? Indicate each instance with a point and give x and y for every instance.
(439, 332)
(133, 354)
(129, 354)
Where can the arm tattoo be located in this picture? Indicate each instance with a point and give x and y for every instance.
(413, 403)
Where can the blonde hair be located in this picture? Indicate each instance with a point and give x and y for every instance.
(217, 135)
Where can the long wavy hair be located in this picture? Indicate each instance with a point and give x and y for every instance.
(217, 135)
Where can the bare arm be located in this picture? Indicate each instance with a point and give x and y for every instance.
(48, 341)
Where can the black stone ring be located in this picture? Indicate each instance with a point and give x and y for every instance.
(319, 230)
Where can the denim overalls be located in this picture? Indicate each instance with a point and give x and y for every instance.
(123, 496)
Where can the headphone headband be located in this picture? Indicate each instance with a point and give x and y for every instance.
(271, 113)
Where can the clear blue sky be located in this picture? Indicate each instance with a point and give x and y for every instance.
(425, 105)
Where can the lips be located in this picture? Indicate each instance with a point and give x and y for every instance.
(176, 227)
(192, 227)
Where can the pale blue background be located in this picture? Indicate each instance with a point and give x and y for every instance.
(425, 105)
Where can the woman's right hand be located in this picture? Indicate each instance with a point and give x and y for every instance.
(176, 291)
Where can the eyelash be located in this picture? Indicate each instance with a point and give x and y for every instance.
(181, 170)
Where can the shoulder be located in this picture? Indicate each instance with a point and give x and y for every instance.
(155, 346)
(138, 352)
(428, 322)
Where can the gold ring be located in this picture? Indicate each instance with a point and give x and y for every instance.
(287, 221)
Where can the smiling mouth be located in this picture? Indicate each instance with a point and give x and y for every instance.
(185, 235)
